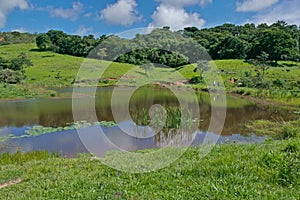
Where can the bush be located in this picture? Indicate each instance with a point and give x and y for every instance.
(195, 80)
(10, 76)
(290, 131)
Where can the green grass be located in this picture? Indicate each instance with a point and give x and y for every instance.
(52, 70)
(270, 170)
(56, 70)
(276, 129)
(8, 91)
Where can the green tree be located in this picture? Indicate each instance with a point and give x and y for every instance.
(20, 62)
(274, 42)
(43, 42)
(4, 63)
(202, 66)
(231, 47)
(262, 63)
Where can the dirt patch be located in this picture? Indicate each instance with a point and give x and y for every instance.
(178, 83)
(166, 84)
(111, 79)
(9, 183)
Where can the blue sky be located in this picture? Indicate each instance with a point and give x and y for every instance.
(113, 16)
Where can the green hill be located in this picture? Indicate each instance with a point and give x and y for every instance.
(51, 70)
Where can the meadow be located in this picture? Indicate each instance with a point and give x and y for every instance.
(270, 170)
(51, 70)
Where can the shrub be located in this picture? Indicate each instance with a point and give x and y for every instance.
(290, 131)
(10, 76)
(195, 80)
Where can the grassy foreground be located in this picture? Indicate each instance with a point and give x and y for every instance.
(270, 170)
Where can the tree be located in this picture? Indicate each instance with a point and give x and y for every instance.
(231, 47)
(261, 63)
(274, 42)
(4, 63)
(43, 42)
(202, 66)
(19, 63)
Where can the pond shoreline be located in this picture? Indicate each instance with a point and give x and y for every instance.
(256, 100)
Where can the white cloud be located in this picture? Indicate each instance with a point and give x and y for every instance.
(286, 10)
(254, 5)
(88, 14)
(20, 30)
(172, 13)
(6, 6)
(176, 18)
(71, 13)
(123, 12)
(82, 30)
(183, 3)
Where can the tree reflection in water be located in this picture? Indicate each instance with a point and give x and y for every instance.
(174, 137)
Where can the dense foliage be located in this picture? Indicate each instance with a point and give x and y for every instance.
(16, 37)
(60, 42)
(279, 41)
(229, 41)
(12, 70)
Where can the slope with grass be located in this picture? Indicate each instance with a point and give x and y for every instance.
(51, 70)
(270, 170)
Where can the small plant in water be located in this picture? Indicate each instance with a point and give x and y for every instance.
(41, 130)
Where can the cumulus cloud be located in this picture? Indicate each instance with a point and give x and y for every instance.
(183, 3)
(176, 18)
(254, 5)
(7, 6)
(123, 12)
(286, 10)
(70, 13)
(172, 13)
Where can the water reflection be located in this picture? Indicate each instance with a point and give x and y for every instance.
(58, 112)
(174, 137)
(16, 116)
(69, 144)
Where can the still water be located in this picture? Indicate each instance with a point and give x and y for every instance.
(18, 116)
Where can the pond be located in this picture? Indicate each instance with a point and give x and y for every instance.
(19, 116)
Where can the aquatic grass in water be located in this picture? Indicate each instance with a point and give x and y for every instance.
(169, 119)
(41, 130)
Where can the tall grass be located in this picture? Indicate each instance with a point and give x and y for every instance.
(174, 117)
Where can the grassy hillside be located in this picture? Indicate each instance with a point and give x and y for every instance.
(254, 171)
(55, 70)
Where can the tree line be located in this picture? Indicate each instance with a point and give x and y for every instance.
(278, 41)
(15, 37)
